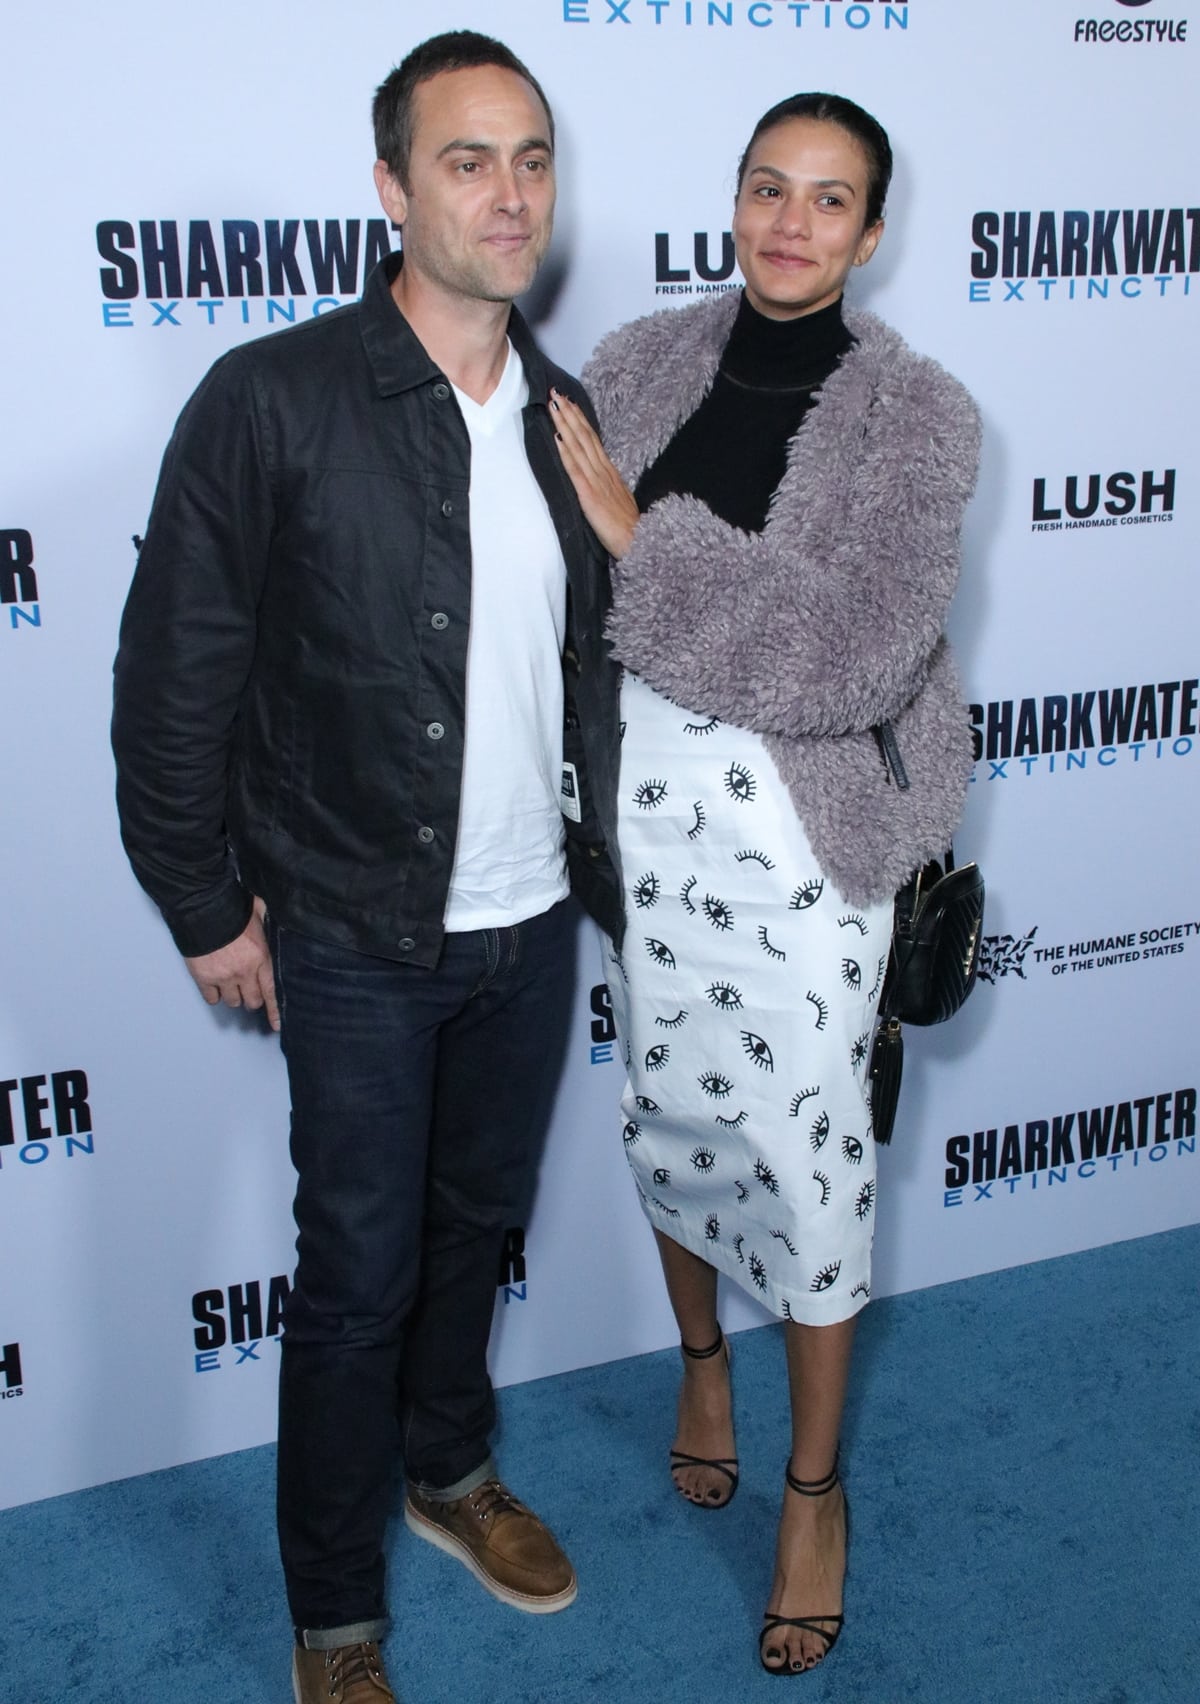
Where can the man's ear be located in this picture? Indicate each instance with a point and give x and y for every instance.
(391, 195)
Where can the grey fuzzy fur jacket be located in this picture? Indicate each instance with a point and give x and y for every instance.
(828, 622)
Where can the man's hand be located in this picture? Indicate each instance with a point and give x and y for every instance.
(240, 974)
(603, 494)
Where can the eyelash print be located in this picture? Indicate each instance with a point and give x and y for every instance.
(865, 1200)
(851, 973)
(787, 1312)
(646, 890)
(714, 1084)
(724, 996)
(733, 1123)
(807, 895)
(822, 1179)
(858, 1051)
(662, 1177)
(754, 1047)
(826, 1276)
(852, 1148)
(650, 794)
(764, 943)
(743, 1192)
(631, 1133)
(799, 1100)
(754, 857)
(671, 1212)
(782, 1236)
(740, 783)
(677, 1022)
(660, 952)
(821, 1006)
(717, 912)
(657, 1056)
(882, 966)
(766, 1177)
(712, 1228)
(758, 1271)
(852, 920)
(862, 1288)
(647, 1107)
(737, 1248)
(819, 1133)
(702, 727)
(615, 958)
(697, 827)
(703, 1159)
(685, 895)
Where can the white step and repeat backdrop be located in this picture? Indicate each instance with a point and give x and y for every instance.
(178, 181)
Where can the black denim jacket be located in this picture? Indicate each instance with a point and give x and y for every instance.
(290, 704)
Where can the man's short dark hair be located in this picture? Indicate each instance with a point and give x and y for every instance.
(456, 50)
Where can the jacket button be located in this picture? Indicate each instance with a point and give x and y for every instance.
(435, 730)
(439, 622)
(441, 391)
(447, 508)
(425, 835)
(406, 943)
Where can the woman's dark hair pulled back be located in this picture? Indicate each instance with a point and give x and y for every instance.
(835, 109)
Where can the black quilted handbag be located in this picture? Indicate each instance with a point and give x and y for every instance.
(936, 938)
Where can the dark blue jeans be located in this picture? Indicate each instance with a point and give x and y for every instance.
(420, 1100)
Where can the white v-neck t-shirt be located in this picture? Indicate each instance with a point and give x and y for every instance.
(510, 859)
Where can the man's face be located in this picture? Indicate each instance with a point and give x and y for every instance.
(479, 207)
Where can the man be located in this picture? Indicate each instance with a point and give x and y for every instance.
(362, 704)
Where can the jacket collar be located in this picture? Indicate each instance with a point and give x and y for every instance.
(398, 358)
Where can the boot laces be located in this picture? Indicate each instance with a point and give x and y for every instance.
(491, 1498)
(350, 1664)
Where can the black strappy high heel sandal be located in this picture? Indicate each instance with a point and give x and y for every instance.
(818, 1624)
(728, 1465)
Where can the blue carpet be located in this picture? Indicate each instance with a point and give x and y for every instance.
(1021, 1455)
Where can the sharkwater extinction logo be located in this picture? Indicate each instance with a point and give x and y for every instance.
(742, 15)
(1110, 254)
(1002, 956)
(237, 1321)
(10, 1371)
(267, 272)
(18, 581)
(512, 1277)
(1100, 729)
(1096, 500)
(1069, 1147)
(1132, 32)
(45, 1117)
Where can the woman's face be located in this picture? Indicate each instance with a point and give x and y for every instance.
(799, 222)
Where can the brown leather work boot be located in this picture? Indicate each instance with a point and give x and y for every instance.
(503, 1543)
(349, 1674)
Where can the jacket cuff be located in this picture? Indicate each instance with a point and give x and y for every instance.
(205, 925)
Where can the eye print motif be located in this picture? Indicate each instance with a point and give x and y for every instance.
(717, 912)
(826, 1276)
(821, 1178)
(697, 828)
(647, 1107)
(864, 1200)
(725, 996)
(787, 1312)
(764, 943)
(708, 727)
(662, 1177)
(851, 973)
(821, 1006)
(714, 1084)
(879, 970)
(806, 895)
(758, 1271)
(671, 1212)
(852, 1150)
(862, 1288)
(766, 1177)
(712, 1228)
(703, 1159)
(685, 896)
(615, 958)
(737, 1248)
(754, 858)
(782, 1236)
(740, 783)
(646, 890)
(819, 1133)
(853, 920)
(799, 1100)
(733, 1123)
(743, 1192)
(677, 1022)
(649, 795)
(631, 1133)
(754, 1047)
(660, 952)
(858, 1051)
(657, 1056)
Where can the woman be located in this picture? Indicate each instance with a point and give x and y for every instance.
(785, 563)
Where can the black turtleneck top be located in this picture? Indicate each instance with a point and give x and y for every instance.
(732, 452)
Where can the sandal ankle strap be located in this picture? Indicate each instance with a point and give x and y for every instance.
(705, 1354)
(812, 1487)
